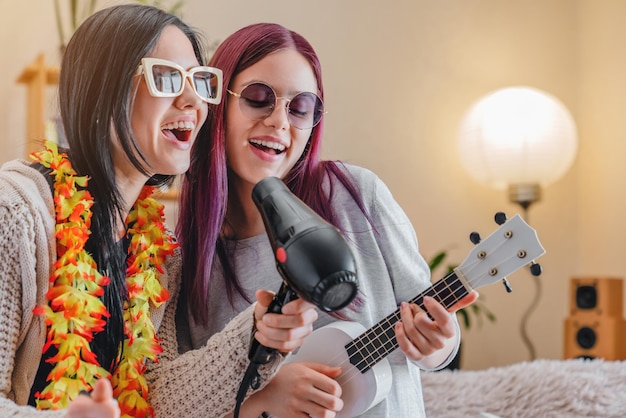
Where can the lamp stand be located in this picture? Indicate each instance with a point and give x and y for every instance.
(525, 195)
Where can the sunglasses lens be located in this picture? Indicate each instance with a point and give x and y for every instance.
(206, 84)
(305, 110)
(167, 80)
(257, 101)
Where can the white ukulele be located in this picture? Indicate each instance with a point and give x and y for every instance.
(366, 376)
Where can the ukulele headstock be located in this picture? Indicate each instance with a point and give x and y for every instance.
(510, 247)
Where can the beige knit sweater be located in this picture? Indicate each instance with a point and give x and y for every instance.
(201, 383)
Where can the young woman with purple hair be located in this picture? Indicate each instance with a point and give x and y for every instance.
(270, 124)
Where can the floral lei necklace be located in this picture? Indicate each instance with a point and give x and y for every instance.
(74, 312)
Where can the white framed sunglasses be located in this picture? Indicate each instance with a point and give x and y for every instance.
(257, 101)
(167, 79)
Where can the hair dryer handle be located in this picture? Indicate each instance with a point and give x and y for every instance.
(259, 354)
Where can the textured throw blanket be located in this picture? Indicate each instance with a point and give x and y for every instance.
(537, 389)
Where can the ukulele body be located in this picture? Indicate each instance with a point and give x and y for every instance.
(360, 391)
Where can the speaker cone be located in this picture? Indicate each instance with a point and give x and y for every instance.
(586, 297)
(586, 337)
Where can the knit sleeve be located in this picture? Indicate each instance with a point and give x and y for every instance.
(204, 382)
(17, 293)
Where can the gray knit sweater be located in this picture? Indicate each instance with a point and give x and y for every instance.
(201, 383)
(390, 270)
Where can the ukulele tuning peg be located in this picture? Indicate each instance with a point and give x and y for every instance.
(500, 218)
(507, 286)
(475, 238)
(535, 269)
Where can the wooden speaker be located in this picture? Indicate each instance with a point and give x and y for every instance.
(599, 296)
(595, 336)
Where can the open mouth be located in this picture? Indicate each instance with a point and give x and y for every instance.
(180, 131)
(268, 147)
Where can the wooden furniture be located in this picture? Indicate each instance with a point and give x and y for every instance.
(38, 77)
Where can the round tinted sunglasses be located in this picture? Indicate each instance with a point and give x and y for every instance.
(257, 101)
(167, 79)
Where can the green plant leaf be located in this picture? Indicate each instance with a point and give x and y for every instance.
(436, 260)
(464, 317)
(78, 10)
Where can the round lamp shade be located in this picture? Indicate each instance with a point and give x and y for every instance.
(517, 136)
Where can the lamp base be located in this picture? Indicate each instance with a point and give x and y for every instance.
(524, 194)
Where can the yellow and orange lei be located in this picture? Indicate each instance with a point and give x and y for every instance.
(75, 312)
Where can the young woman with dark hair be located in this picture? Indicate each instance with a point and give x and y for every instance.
(90, 275)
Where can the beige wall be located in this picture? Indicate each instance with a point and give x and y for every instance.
(398, 77)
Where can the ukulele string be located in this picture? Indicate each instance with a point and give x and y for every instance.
(373, 356)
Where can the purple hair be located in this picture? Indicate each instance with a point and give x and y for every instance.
(205, 186)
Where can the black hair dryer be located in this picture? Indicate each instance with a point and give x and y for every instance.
(312, 256)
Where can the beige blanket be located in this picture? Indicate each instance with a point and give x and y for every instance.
(537, 389)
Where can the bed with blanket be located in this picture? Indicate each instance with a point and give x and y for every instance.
(537, 389)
